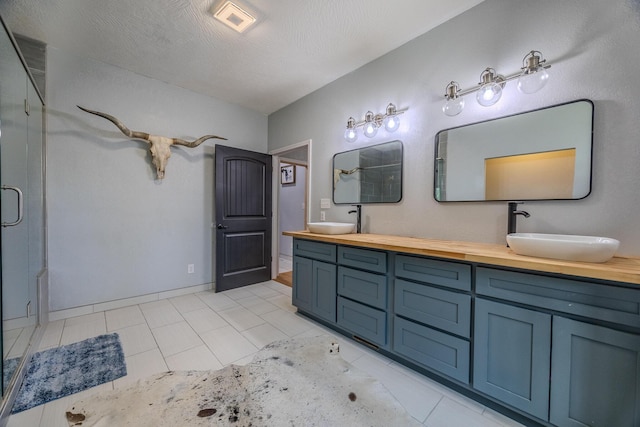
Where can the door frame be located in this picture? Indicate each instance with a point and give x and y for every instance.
(278, 155)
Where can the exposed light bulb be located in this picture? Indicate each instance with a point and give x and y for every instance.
(391, 120)
(490, 90)
(534, 76)
(533, 81)
(392, 123)
(370, 126)
(489, 94)
(370, 130)
(453, 107)
(454, 103)
(351, 134)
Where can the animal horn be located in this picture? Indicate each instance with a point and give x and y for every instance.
(191, 144)
(125, 130)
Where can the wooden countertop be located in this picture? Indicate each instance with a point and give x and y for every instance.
(618, 269)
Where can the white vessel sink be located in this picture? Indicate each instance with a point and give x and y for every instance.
(331, 227)
(563, 246)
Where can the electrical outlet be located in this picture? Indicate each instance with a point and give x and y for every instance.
(322, 216)
(190, 268)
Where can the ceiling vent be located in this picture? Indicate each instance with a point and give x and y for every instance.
(234, 16)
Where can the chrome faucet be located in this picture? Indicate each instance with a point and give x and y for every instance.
(512, 215)
(358, 212)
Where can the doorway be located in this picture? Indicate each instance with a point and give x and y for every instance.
(292, 171)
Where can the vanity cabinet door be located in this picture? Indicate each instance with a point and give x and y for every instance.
(302, 295)
(512, 348)
(314, 287)
(595, 376)
(324, 290)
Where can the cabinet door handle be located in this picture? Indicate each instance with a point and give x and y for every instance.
(20, 206)
(221, 227)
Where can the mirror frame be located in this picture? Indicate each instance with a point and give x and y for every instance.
(435, 157)
(333, 161)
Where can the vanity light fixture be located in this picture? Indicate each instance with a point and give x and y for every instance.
(531, 78)
(372, 122)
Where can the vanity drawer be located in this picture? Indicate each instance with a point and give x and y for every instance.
(364, 287)
(598, 301)
(316, 250)
(435, 350)
(442, 273)
(446, 310)
(363, 258)
(363, 321)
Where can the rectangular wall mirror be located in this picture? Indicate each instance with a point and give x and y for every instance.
(368, 175)
(538, 155)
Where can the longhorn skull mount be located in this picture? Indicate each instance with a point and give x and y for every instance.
(159, 146)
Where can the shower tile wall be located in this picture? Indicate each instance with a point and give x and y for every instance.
(380, 184)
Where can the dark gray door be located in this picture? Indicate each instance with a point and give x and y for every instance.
(243, 217)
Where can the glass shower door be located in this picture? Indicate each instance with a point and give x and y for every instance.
(18, 288)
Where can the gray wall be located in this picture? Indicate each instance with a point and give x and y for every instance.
(115, 231)
(291, 209)
(592, 46)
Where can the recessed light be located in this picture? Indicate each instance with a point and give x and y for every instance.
(234, 16)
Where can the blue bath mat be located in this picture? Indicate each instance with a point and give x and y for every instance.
(69, 369)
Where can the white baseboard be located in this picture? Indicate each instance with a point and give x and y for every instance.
(125, 302)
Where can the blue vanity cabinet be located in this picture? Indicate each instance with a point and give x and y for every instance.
(314, 278)
(363, 294)
(511, 355)
(432, 314)
(595, 375)
(589, 331)
(556, 349)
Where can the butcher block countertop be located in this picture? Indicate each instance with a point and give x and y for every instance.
(617, 269)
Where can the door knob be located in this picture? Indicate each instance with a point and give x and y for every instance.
(221, 227)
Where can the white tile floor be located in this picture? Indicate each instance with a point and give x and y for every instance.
(208, 331)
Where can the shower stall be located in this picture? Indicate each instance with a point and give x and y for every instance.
(22, 214)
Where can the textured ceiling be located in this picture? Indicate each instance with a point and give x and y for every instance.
(296, 47)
